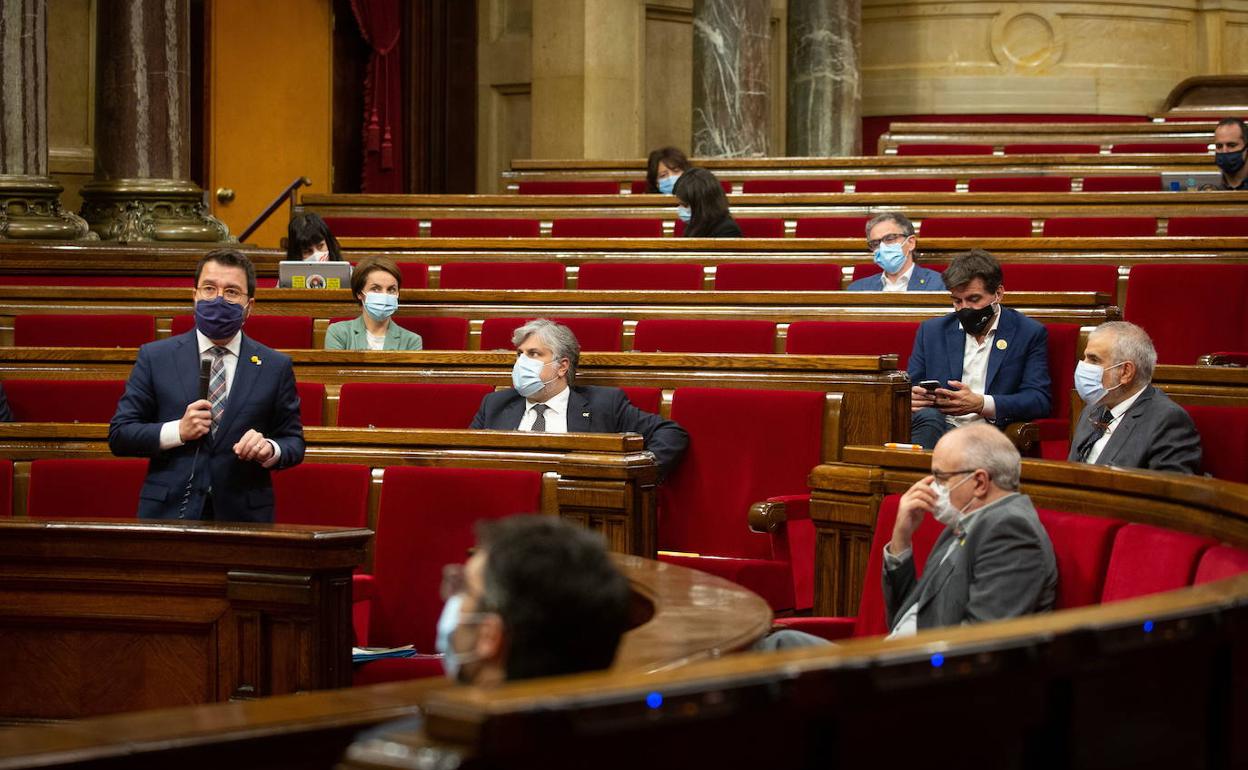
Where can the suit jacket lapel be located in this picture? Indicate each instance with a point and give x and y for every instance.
(1005, 333)
(938, 573)
(511, 415)
(245, 374)
(579, 413)
(393, 335)
(955, 342)
(186, 363)
(1126, 425)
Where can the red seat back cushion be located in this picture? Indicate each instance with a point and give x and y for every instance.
(425, 521)
(1133, 183)
(1148, 560)
(502, 275)
(322, 494)
(415, 275)
(589, 187)
(63, 400)
(1216, 290)
(1056, 184)
(1100, 227)
(760, 227)
(832, 227)
(281, 332)
(976, 227)
(448, 406)
(60, 279)
(865, 269)
(702, 336)
(1063, 349)
(853, 338)
(1190, 227)
(745, 446)
(1222, 430)
(485, 228)
(311, 403)
(1082, 545)
(1051, 149)
(437, 333)
(1220, 562)
(373, 227)
(783, 276)
(672, 276)
(904, 184)
(593, 334)
(872, 617)
(1050, 277)
(1161, 147)
(83, 330)
(74, 489)
(6, 488)
(603, 227)
(944, 149)
(771, 186)
(645, 399)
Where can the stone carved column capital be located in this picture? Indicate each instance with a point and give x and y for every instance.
(150, 210)
(30, 207)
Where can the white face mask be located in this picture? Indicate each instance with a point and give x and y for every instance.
(943, 511)
(1089, 379)
(317, 256)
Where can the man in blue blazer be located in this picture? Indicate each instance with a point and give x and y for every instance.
(890, 238)
(988, 362)
(213, 409)
(545, 398)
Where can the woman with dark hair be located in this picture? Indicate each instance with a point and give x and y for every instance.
(375, 282)
(308, 239)
(664, 168)
(704, 207)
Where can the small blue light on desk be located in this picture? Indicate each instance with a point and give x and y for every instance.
(1148, 626)
(654, 700)
(938, 660)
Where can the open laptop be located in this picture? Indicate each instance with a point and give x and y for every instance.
(296, 274)
(1190, 181)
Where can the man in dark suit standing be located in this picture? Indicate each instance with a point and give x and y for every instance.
(891, 241)
(213, 409)
(1126, 421)
(988, 362)
(993, 561)
(546, 398)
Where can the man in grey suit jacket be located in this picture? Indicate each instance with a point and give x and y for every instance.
(994, 559)
(1126, 421)
(891, 241)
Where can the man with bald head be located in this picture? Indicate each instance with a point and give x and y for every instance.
(994, 559)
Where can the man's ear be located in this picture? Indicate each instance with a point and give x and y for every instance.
(562, 367)
(1128, 372)
(491, 642)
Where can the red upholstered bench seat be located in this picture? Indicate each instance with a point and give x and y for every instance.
(782, 276)
(56, 279)
(448, 406)
(832, 227)
(906, 184)
(598, 334)
(605, 227)
(654, 276)
(1131, 183)
(852, 338)
(373, 227)
(76, 489)
(96, 330)
(944, 149)
(483, 228)
(976, 227)
(1100, 227)
(1050, 148)
(1168, 148)
(1217, 290)
(1019, 184)
(761, 227)
(773, 186)
(280, 332)
(63, 400)
(1225, 227)
(502, 275)
(587, 187)
(679, 335)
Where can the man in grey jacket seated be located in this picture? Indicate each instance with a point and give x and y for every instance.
(1126, 421)
(994, 559)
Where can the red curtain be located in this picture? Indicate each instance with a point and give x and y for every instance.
(380, 23)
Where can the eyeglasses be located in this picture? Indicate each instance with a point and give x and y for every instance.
(943, 476)
(888, 240)
(231, 294)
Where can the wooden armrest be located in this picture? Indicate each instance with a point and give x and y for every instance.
(767, 516)
(1026, 437)
(1224, 359)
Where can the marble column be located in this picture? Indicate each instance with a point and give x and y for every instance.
(731, 77)
(825, 92)
(142, 189)
(30, 204)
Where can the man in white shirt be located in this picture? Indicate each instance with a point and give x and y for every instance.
(891, 241)
(1126, 421)
(993, 561)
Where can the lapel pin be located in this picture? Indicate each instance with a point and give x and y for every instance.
(255, 360)
(1002, 344)
(585, 415)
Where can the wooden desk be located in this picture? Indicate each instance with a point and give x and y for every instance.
(110, 616)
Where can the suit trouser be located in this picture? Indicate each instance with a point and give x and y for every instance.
(927, 426)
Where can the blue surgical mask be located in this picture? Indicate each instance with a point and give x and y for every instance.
(218, 318)
(668, 183)
(684, 213)
(1089, 379)
(451, 618)
(890, 257)
(379, 305)
(526, 375)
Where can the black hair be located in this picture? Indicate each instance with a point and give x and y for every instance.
(671, 157)
(229, 258)
(701, 191)
(968, 266)
(563, 603)
(307, 229)
(1243, 131)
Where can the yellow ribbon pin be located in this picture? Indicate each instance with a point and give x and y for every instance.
(255, 360)
(1002, 344)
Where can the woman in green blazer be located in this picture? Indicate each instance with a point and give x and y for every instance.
(376, 283)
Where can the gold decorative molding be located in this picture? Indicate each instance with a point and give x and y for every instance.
(150, 210)
(30, 208)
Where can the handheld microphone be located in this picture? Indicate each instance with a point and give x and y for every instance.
(205, 371)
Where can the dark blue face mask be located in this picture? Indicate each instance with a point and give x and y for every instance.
(1230, 162)
(218, 318)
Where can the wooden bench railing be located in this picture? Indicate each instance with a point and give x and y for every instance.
(1128, 683)
(999, 135)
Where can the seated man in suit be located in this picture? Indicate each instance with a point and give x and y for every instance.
(1126, 421)
(212, 408)
(1230, 141)
(981, 362)
(546, 398)
(890, 237)
(994, 559)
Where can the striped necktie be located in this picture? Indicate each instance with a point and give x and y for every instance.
(216, 386)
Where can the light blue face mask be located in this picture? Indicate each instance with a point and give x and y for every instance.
(668, 183)
(380, 306)
(1088, 381)
(526, 375)
(890, 258)
(684, 213)
(451, 618)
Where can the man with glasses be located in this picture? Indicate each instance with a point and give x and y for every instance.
(993, 560)
(890, 239)
(212, 409)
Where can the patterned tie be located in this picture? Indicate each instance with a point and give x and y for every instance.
(216, 386)
(539, 424)
(1100, 425)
